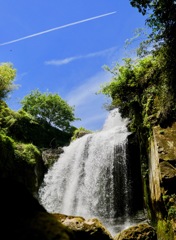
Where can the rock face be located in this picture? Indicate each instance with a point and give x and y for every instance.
(162, 162)
(162, 174)
(141, 231)
(51, 155)
(90, 229)
(23, 218)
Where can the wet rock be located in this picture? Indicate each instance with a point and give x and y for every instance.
(165, 139)
(91, 229)
(168, 176)
(51, 155)
(142, 231)
(162, 179)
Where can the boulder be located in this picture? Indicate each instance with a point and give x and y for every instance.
(142, 231)
(168, 177)
(23, 218)
(162, 180)
(162, 162)
(165, 139)
(91, 229)
(51, 155)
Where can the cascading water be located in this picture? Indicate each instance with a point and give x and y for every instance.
(90, 179)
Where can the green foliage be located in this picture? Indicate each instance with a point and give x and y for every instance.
(7, 75)
(141, 91)
(6, 155)
(6, 115)
(27, 152)
(170, 204)
(133, 89)
(22, 127)
(50, 108)
(161, 18)
(12, 151)
(19, 162)
(165, 230)
(79, 132)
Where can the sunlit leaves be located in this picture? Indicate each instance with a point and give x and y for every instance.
(50, 108)
(161, 18)
(7, 75)
(134, 83)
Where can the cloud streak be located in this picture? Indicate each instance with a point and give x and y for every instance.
(86, 93)
(57, 28)
(64, 61)
(88, 105)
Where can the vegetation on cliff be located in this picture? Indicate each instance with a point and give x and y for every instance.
(7, 75)
(144, 90)
(79, 132)
(23, 134)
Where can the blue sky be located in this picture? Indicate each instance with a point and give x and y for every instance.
(62, 47)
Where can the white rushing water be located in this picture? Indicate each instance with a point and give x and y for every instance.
(90, 177)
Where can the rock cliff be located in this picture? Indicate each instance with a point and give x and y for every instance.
(162, 180)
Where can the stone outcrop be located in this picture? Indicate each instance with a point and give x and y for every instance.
(162, 177)
(91, 229)
(23, 218)
(142, 231)
(51, 155)
(162, 162)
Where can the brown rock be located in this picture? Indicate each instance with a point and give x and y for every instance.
(91, 229)
(23, 218)
(142, 231)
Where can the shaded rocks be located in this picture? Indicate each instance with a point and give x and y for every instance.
(23, 218)
(51, 155)
(91, 229)
(162, 180)
(142, 231)
(164, 155)
(168, 176)
(166, 141)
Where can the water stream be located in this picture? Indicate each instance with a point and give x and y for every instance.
(91, 178)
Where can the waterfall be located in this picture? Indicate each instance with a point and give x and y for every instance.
(90, 179)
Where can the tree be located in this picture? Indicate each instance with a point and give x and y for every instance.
(50, 108)
(7, 76)
(140, 92)
(161, 18)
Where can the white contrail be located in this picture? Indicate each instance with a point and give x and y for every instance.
(56, 28)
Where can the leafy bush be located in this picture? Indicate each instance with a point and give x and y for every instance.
(27, 152)
(79, 132)
(22, 126)
(141, 91)
(7, 75)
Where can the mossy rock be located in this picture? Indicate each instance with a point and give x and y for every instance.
(142, 231)
(22, 127)
(166, 142)
(21, 162)
(7, 155)
(165, 230)
(80, 132)
(91, 229)
(51, 155)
